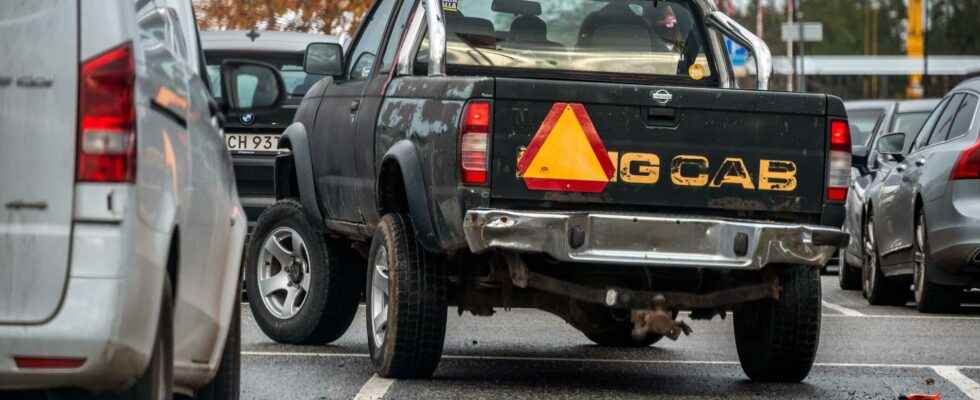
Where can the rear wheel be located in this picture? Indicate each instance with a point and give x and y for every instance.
(878, 289)
(406, 303)
(157, 381)
(226, 384)
(302, 289)
(777, 340)
(930, 297)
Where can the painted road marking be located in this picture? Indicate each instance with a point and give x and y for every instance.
(375, 388)
(954, 376)
(597, 360)
(843, 310)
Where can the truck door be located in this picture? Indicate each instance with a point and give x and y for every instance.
(367, 119)
(334, 141)
(38, 127)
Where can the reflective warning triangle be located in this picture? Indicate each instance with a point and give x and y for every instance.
(566, 155)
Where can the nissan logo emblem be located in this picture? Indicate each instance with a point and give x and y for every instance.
(662, 97)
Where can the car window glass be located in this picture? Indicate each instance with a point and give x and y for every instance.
(365, 53)
(394, 39)
(945, 121)
(294, 77)
(964, 117)
(910, 124)
(603, 39)
(863, 123)
(930, 124)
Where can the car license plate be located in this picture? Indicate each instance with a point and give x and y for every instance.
(240, 142)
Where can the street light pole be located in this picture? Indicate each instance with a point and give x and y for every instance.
(925, 50)
(799, 21)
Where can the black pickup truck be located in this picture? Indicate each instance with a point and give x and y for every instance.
(592, 159)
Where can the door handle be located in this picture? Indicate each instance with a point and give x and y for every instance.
(920, 162)
(354, 105)
(661, 117)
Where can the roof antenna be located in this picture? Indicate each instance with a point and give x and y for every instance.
(252, 34)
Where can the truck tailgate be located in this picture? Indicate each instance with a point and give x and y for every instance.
(562, 145)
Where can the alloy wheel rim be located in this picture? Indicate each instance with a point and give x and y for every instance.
(379, 296)
(919, 256)
(872, 259)
(284, 273)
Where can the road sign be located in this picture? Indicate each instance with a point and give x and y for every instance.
(567, 155)
(812, 32)
(738, 54)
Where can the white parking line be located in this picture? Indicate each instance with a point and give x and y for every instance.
(375, 388)
(843, 310)
(954, 376)
(598, 360)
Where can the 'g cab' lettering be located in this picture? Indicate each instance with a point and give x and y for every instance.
(698, 171)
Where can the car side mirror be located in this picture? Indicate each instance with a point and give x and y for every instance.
(251, 86)
(893, 145)
(324, 59)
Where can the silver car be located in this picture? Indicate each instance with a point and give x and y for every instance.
(883, 117)
(121, 231)
(923, 210)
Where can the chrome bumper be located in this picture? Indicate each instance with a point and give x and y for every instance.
(652, 240)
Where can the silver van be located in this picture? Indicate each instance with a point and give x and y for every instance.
(121, 231)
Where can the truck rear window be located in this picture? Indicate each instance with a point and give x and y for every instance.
(633, 37)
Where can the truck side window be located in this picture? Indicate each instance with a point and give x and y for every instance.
(395, 37)
(366, 51)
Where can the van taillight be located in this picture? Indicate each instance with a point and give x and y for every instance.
(106, 112)
(474, 143)
(839, 165)
(968, 164)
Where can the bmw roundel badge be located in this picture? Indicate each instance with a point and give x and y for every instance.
(248, 119)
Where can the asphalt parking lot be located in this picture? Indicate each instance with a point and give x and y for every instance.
(865, 353)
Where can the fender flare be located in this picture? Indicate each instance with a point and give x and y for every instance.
(297, 141)
(406, 156)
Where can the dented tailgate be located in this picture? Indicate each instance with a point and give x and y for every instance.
(560, 144)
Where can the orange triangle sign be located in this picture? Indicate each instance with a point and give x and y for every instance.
(566, 155)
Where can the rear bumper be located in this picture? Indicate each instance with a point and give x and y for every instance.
(652, 240)
(86, 327)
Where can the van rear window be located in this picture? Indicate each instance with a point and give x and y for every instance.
(634, 37)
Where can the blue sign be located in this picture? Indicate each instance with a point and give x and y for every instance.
(738, 54)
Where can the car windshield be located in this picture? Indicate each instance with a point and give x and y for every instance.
(296, 80)
(629, 37)
(863, 123)
(910, 123)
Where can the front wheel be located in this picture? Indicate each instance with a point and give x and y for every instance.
(930, 297)
(777, 340)
(406, 303)
(848, 278)
(302, 289)
(878, 289)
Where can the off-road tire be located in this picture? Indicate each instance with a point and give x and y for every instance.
(226, 385)
(417, 304)
(335, 290)
(848, 277)
(603, 327)
(932, 298)
(777, 340)
(879, 289)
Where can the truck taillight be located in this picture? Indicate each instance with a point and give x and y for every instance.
(106, 112)
(967, 165)
(839, 165)
(474, 143)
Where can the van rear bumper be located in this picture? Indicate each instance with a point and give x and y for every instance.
(652, 240)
